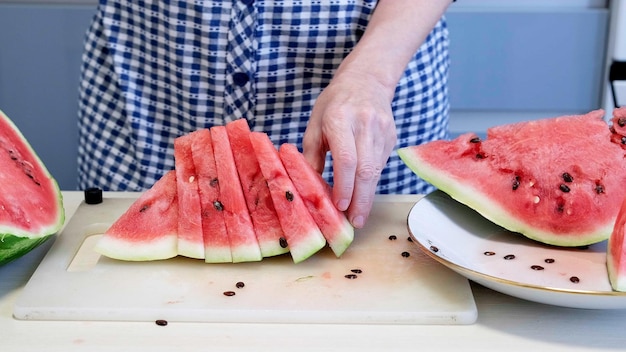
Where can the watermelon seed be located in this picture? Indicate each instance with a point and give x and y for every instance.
(357, 271)
(567, 177)
(409, 239)
(509, 257)
(218, 205)
(549, 260)
(480, 156)
(283, 242)
(574, 279)
(191, 178)
(621, 121)
(434, 249)
(350, 276)
(599, 188)
(563, 187)
(475, 140)
(489, 253)
(161, 322)
(229, 293)
(536, 267)
(214, 182)
(12, 154)
(516, 183)
(289, 196)
(393, 237)
(406, 254)
(624, 140)
(144, 208)
(240, 284)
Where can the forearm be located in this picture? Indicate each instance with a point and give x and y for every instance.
(396, 31)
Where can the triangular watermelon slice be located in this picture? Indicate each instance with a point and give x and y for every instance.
(243, 241)
(216, 241)
(302, 234)
(190, 237)
(148, 230)
(557, 180)
(315, 193)
(255, 190)
(31, 202)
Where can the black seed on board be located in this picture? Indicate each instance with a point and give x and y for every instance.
(283, 242)
(509, 257)
(567, 177)
(393, 237)
(406, 254)
(229, 293)
(475, 140)
(289, 196)
(240, 284)
(489, 253)
(161, 322)
(218, 205)
(409, 239)
(574, 279)
(434, 249)
(536, 267)
(357, 271)
(549, 260)
(563, 187)
(350, 276)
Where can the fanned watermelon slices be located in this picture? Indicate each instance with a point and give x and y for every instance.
(231, 198)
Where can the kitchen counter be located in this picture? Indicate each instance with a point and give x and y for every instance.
(504, 323)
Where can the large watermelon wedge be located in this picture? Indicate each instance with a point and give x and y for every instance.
(30, 200)
(302, 234)
(558, 180)
(148, 230)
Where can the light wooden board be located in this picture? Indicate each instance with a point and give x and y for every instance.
(74, 283)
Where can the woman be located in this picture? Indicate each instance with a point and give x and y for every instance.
(356, 78)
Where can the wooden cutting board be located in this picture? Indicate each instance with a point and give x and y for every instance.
(372, 283)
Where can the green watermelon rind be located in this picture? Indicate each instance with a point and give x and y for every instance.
(490, 209)
(14, 242)
(121, 250)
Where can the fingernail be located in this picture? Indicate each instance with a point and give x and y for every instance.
(357, 221)
(343, 204)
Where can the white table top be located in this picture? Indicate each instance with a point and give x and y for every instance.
(504, 324)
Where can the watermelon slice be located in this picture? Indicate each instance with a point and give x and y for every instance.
(616, 252)
(255, 190)
(190, 236)
(244, 244)
(302, 234)
(558, 180)
(315, 193)
(216, 242)
(31, 202)
(148, 230)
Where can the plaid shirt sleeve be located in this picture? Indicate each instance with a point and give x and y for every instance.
(154, 70)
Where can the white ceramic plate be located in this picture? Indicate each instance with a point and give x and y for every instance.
(461, 239)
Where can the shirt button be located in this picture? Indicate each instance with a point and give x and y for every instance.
(240, 78)
(247, 2)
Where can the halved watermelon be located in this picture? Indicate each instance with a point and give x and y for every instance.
(244, 244)
(190, 236)
(148, 230)
(216, 241)
(31, 201)
(315, 193)
(558, 180)
(302, 234)
(255, 190)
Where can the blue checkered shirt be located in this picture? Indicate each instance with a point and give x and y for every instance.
(154, 70)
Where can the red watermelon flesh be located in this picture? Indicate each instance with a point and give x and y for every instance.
(302, 234)
(31, 202)
(148, 230)
(558, 180)
(315, 193)
(244, 244)
(255, 190)
(190, 237)
(616, 252)
(216, 241)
